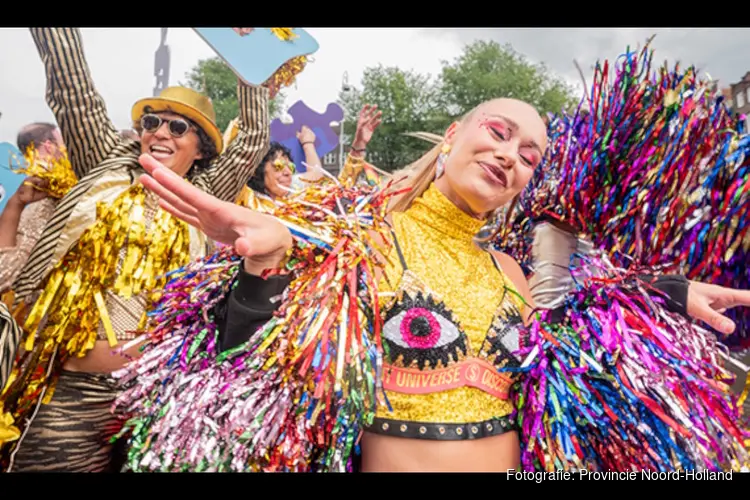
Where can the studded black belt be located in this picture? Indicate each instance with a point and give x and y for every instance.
(442, 432)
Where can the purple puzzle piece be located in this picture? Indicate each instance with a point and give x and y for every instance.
(326, 139)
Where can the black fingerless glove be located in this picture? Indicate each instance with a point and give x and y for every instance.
(675, 288)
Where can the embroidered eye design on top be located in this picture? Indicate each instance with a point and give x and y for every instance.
(421, 333)
(504, 338)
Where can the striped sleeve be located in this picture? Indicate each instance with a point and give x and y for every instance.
(10, 336)
(81, 114)
(230, 171)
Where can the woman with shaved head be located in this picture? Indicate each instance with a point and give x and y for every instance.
(452, 312)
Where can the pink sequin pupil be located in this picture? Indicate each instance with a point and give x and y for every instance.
(420, 329)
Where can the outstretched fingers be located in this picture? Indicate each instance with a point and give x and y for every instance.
(181, 189)
(703, 312)
(190, 219)
(739, 298)
(153, 185)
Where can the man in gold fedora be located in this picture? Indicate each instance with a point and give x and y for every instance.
(104, 253)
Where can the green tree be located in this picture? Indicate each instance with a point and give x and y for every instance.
(218, 81)
(486, 70)
(409, 103)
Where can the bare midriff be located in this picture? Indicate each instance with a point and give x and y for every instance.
(395, 454)
(102, 359)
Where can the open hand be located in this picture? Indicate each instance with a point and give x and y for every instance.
(368, 121)
(305, 135)
(707, 303)
(260, 238)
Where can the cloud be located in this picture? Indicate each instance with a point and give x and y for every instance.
(122, 62)
(122, 59)
(720, 52)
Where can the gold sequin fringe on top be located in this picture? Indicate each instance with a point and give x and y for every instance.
(64, 320)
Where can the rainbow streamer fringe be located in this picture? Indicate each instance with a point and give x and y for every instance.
(653, 169)
(294, 397)
(621, 384)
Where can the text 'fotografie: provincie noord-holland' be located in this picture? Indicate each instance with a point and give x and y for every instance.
(584, 475)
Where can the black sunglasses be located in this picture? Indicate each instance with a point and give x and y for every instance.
(177, 126)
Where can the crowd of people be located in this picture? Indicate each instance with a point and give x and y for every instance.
(180, 241)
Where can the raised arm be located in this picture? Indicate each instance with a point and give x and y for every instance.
(314, 168)
(81, 114)
(230, 171)
(368, 120)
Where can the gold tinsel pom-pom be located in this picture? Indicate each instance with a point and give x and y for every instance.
(285, 34)
(57, 172)
(287, 74)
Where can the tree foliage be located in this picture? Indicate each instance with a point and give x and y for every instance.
(487, 70)
(409, 104)
(412, 102)
(216, 80)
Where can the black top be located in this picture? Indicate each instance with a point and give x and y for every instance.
(249, 306)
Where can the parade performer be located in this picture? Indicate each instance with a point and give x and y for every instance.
(389, 323)
(272, 179)
(105, 251)
(650, 171)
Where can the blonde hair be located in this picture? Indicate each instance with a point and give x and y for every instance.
(418, 176)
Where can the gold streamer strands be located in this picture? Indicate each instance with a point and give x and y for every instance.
(288, 72)
(66, 316)
(57, 172)
(285, 34)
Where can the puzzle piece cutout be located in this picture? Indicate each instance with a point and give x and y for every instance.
(257, 56)
(9, 180)
(326, 138)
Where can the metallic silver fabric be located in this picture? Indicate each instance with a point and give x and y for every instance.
(551, 259)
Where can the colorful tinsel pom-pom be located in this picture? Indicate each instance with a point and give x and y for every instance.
(622, 384)
(295, 396)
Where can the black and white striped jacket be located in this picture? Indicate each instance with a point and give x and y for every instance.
(95, 148)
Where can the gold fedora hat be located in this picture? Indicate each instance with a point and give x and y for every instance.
(185, 102)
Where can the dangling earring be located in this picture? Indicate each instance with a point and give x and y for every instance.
(441, 159)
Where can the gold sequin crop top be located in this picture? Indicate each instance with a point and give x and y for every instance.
(451, 318)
